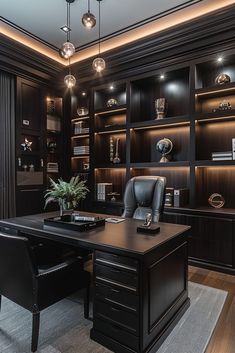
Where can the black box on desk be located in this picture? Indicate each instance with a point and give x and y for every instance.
(181, 197)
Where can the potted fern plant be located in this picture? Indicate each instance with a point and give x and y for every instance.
(67, 194)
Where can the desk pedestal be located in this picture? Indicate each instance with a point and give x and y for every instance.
(139, 299)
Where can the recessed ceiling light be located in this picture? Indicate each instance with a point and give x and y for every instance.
(83, 94)
(220, 59)
(111, 87)
(65, 29)
(162, 77)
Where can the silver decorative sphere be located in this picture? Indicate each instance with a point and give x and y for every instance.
(98, 64)
(164, 146)
(67, 50)
(70, 81)
(111, 102)
(222, 79)
(88, 20)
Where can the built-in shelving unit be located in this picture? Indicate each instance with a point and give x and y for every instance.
(196, 123)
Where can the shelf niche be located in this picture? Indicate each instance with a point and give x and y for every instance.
(111, 175)
(211, 180)
(102, 149)
(174, 87)
(143, 144)
(101, 96)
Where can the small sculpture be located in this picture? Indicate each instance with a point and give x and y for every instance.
(27, 145)
(222, 79)
(82, 111)
(224, 105)
(111, 149)
(164, 146)
(161, 108)
(112, 102)
(148, 220)
(117, 159)
(216, 200)
(31, 167)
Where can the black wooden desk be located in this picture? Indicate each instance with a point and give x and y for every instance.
(140, 281)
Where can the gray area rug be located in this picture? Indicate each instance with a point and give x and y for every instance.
(64, 330)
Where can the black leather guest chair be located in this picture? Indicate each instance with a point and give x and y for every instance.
(144, 194)
(36, 286)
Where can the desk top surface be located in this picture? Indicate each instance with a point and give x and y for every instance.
(113, 237)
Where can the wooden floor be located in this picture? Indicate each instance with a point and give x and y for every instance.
(223, 339)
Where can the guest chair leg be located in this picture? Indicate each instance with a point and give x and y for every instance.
(35, 331)
(87, 302)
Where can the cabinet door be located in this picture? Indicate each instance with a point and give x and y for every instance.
(210, 240)
(29, 201)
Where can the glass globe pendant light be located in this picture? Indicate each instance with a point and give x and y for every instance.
(69, 80)
(88, 19)
(98, 63)
(67, 49)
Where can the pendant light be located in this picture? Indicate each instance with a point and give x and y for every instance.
(67, 50)
(69, 79)
(88, 19)
(99, 63)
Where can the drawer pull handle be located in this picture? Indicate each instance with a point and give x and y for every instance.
(115, 290)
(114, 309)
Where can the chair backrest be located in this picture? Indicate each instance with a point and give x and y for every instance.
(17, 270)
(144, 194)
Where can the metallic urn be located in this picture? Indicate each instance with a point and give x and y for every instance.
(160, 108)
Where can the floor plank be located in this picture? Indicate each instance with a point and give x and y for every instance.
(223, 338)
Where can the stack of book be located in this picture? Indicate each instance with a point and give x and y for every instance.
(78, 150)
(222, 156)
(79, 129)
(102, 190)
(52, 167)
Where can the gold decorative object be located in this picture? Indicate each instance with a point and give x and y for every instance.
(216, 200)
(112, 102)
(160, 108)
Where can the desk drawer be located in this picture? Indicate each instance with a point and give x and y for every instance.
(116, 261)
(114, 315)
(119, 296)
(117, 334)
(118, 276)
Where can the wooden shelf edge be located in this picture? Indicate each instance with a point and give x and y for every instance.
(215, 89)
(160, 165)
(177, 120)
(208, 163)
(116, 109)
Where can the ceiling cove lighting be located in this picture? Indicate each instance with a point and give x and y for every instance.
(68, 49)
(99, 63)
(88, 19)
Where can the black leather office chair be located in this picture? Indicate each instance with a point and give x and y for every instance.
(144, 194)
(33, 286)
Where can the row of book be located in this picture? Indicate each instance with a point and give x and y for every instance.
(78, 150)
(80, 130)
(222, 156)
(176, 197)
(102, 191)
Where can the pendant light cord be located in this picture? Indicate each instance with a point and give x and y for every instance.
(99, 27)
(89, 9)
(68, 21)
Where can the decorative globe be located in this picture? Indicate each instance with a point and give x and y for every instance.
(70, 81)
(88, 20)
(98, 64)
(164, 146)
(67, 50)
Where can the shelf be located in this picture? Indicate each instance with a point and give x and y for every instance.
(216, 90)
(209, 163)
(116, 109)
(171, 121)
(110, 130)
(80, 156)
(54, 132)
(110, 166)
(202, 210)
(221, 115)
(80, 136)
(160, 165)
(80, 118)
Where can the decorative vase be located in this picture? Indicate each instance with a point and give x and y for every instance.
(160, 108)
